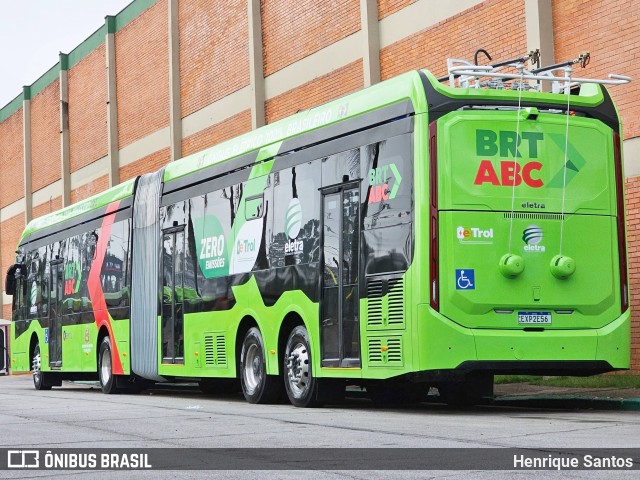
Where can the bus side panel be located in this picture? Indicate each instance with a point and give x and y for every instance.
(21, 334)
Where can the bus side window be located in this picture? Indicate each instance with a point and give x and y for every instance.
(44, 281)
(34, 291)
(387, 190)
(293, 237)
(19, 295)
(387, 205)
(341, 167)
(210, 218)
(113, 274)
(72, 277)
(233, 195)
(254, 207)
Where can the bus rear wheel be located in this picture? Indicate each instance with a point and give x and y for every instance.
(301, 386)
(257, 386)
(38, 377)
(105, 368)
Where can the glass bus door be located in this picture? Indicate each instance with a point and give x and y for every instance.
(340, 326)
(173, 296)
(55, 314)
(3, 350)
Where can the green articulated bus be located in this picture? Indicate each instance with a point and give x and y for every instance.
(414, 234)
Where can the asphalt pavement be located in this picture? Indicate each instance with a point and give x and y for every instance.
(544, 396)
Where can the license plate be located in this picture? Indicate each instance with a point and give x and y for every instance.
(534, 318)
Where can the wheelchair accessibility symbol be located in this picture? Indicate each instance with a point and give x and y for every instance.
(465, 279)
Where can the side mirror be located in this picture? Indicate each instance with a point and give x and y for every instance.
(10, 280)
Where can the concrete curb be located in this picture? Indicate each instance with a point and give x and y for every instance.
(567, 402)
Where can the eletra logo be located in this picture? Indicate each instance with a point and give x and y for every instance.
(293, 224)
(293, 220)
(532, 236)
(34, 298)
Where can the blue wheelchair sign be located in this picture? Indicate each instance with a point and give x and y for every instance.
(46, 335)
(465, 279)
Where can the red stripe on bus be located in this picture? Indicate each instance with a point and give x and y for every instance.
(95, 286)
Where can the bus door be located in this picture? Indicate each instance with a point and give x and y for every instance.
(3, 350)
(339, 309)
(55, 313)
(173, 296)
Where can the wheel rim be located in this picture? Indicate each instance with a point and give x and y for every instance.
(252, 368)
(298, 370)
(105, 367)
(35, 366)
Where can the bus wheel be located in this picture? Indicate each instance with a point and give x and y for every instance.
(257, 386)
(38, 376)
(301, 386)
(105, 370)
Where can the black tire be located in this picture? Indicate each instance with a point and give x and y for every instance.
(299, 382)
(257, 386)
(105, 368)
(39, 380)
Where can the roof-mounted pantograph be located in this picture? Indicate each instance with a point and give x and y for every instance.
(464, 74)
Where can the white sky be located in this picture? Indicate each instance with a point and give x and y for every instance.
(34, 32)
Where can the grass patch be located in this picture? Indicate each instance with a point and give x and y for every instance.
(516, 379)
(596, 381)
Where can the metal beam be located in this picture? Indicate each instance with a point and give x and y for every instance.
(175, 119)
(112, 103)
(539, 30)
(26, 139)
(65, 173)
(371, 41)
(256, 65)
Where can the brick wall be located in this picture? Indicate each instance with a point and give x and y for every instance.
(294, 30)
(47, 207)
(214, 52)
(316, 92)
(229, 128)
(633, 247)
(88, 110)
(45, 136)
(10, 231)
(498, 26)
(11, 159)
(6, 312)
(147, 164)
(142, 75)
(387, 7)
(89, 189)
(610, 31)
